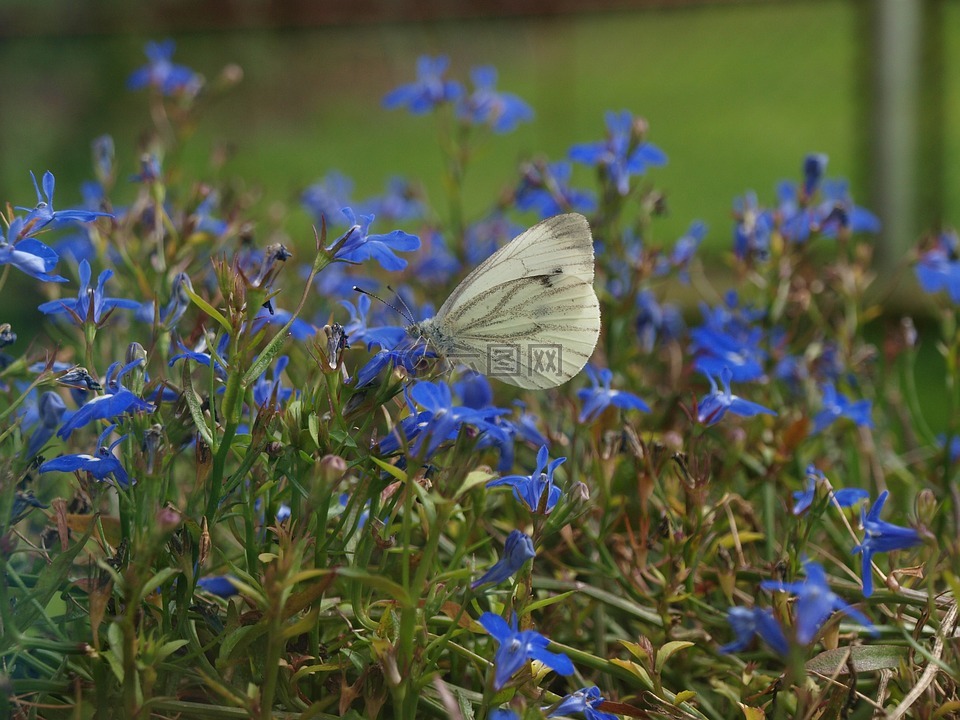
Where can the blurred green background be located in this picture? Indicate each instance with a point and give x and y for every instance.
(735, 93)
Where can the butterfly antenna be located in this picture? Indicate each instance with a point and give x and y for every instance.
(409, 313)
(405, 313)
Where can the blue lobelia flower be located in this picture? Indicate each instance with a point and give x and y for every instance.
(485, 106)
(430, 89)
(844, 497)
(326, 197)
(174, 309)
(517, 549)
(624, 153)
(407, 357)
(536, 490)
(753, 228)
(358, 330)
(218, 585)
(516, 648)
(816, 602)
(402, 200)
(836, 406)
(656, 321)
(358, 245)
(90, 305)
(718, 403)
(117, 401)
(27, 254)
(938, 268)
(585, 701)
(546, 189)
(46, 414)
(440, 420)
(747, 622)
(43, 214)
(299, 330)
(100, 465)
(24, 503)
(264, 389)
(837, 212)
(502, 714)
(598, 398)
(683, 252)
(814, 166)
(730, 338)
(161, 73)
(202, 356)
(880, 536)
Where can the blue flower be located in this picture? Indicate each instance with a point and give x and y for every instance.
(655, 321)
(814, 165)
(160, 73)
(546, 189)
(598, 398)
(90, 305)
(536, 490)
(430, 89)
(718, 403)
(837, 212)
(44, 214)
(439, 420)
(326, 197)
(880, 536)
(28, 255)
(436, 264)
(358, 331)
(585, 701)
(515, 649)
(836, 406)
(23, 504)
(754, 225)
(624, 153)
(409, 358)
(683, 252)
(844, 497)
(218, 585)
(747, 622)
(517, 549)
(358, 245)
(502, 714)
(202, 356)
(175, 307)
(117, 401)
(401, 201)
(729, 338)
(939, 267)
(46, 414)
(264, 390)
(100, 465)
(485, 106)
(816, 602)
(486, 235)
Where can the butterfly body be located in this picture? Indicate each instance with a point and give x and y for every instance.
(528, 314)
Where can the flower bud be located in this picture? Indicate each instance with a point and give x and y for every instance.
(332, 469)
(926, 507)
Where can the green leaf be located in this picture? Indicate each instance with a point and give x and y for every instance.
(378, 582)
(550, 600)
(863, 658)
(196, 411)
(208, 309)
(50, 581)
(156, 581)
(267, 355)
(667, 650)
(477, 477)
(392, 470)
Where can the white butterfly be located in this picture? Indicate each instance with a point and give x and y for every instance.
(528, 314)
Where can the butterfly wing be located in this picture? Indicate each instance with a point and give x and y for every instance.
(558, 245)
(533, 332)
